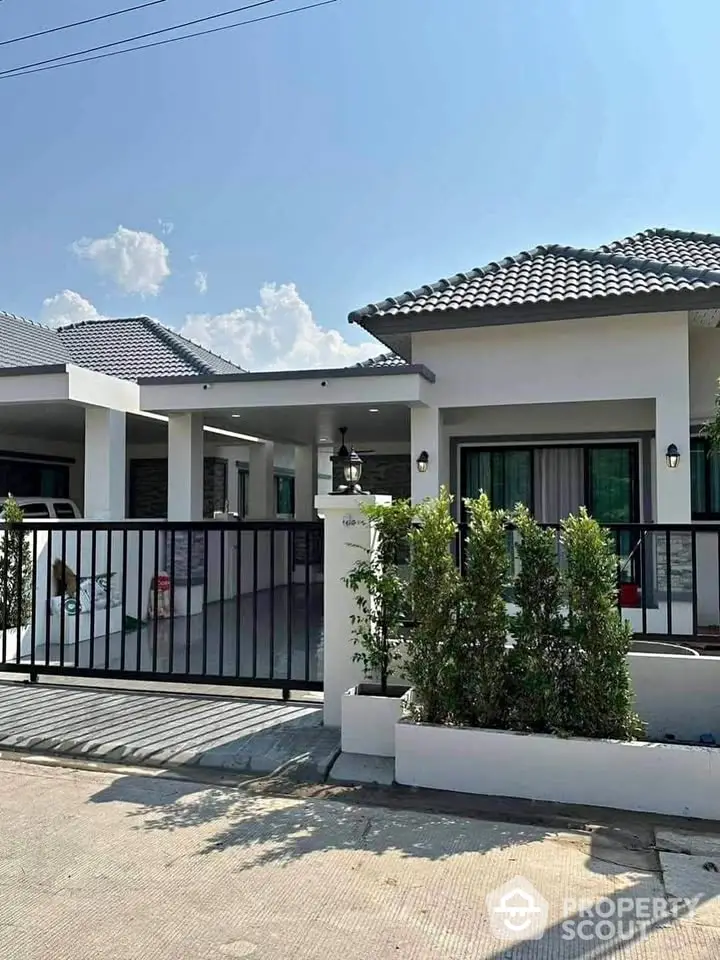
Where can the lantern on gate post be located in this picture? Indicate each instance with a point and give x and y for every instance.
(351, 464)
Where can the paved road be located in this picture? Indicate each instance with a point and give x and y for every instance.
(123, 866)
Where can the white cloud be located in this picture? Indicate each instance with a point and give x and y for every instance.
(136, 261)
(166, 226)
(201, 281)
(279, 333)
(67, 307)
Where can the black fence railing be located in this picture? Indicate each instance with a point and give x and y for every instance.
(217, 602)
(668, 575)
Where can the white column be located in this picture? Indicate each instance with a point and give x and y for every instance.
(347, 537)
(672, 425)
(426, 435)
(105, 464)
(261, 486)
(306, 482)
(185, 466)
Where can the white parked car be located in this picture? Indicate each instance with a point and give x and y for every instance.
(46, 508)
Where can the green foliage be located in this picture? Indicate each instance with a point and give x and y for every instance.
(380, 588)
(16, 570)
(567, 672)
(435, 598)
(603, 707)
(540, 666)
(711, 429)
(478, 644)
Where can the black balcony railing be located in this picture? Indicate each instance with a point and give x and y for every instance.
(212, 601)
(668, 575)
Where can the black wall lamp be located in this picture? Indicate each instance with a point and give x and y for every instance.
(672, 456)
(422, 462)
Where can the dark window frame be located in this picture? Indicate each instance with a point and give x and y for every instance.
(276, 484)
(708, 513)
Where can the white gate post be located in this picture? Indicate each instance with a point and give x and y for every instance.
(347, 536)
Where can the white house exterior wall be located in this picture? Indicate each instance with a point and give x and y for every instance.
(566, 362)
(597, 358)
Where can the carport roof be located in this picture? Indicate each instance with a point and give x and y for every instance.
(128, 349)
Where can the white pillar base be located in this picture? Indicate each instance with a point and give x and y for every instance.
(347, 537)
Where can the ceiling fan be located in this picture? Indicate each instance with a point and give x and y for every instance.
(343, 450)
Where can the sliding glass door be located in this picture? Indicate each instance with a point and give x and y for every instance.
(611, 474)
(505, 474)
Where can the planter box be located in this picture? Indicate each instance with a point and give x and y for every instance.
(649, 777)
(368, 719)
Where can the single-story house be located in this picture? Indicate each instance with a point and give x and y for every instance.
(558, 377)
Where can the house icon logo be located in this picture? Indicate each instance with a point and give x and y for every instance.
(517, 911)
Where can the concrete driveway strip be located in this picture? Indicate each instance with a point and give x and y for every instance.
(104, 865)
(159, 729)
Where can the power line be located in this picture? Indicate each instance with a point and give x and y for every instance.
(80, 23)
(140, 36)
(160, 43)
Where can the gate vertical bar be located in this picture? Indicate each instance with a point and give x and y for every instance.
(668, 582)
(271, 671)
(93, 573)
(78, 608)
(33, 598)
(171, 644)
(108, 597)
(238, 597)
(138, 638)
(205, 603)
(222, 601)
(307, 604)
(693, 552)
(123, 597)
(63, 560)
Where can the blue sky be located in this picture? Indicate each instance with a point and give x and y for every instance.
(307, 165)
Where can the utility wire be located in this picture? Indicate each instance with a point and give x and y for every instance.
(139, 36)
(160, 43)
(80, 23)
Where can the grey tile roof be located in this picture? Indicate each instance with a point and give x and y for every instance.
(384, 360)
(656, 261)
(671, 246)
(139, 347)
(27, 344)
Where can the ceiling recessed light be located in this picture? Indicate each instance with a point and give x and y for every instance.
(324, 440)
(374, 410)
(235, 416)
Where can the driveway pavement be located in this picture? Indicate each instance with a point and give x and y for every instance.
(166, 730)
(123, 866)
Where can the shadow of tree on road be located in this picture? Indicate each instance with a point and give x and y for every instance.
(282, 829)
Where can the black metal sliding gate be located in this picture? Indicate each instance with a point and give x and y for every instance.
(214, 601)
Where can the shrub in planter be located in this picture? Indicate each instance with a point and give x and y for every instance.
(381, 591)
(435, 595)
(537, 667)
(476, 694)
(16, 570)
(602, 706)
